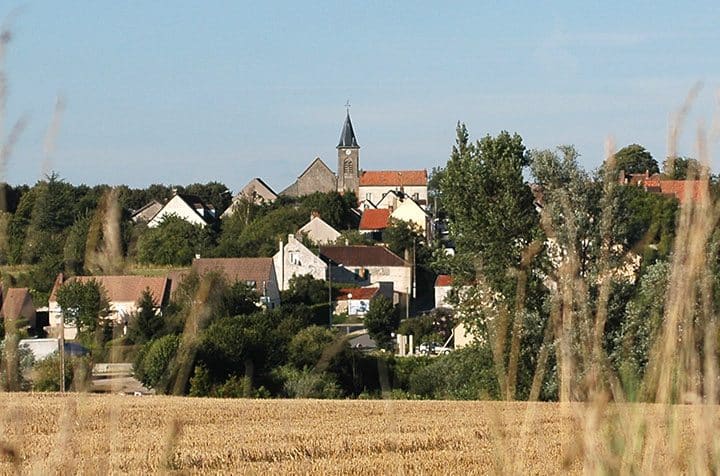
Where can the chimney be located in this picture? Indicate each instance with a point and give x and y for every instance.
(281, 271)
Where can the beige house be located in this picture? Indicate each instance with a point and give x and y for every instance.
(366, 265)
(462, 337)
(122, 293)
(408, 210)
(259, 273)
(374, 184)
(294, 259)
(188, 207)
(319, 231)
(256, 191)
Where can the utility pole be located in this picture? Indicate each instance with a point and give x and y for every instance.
(330, 310)
(62, 352)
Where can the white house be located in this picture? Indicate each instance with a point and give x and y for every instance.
(366, 265)
(356, 301)
(319, 231)
(294, 259)
(443, 286)
(409, 210)
(188, 207)
(374, 184)
(122, 293)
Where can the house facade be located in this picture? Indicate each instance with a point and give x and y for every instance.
(375, 184)
(256, 191)
(366, 265)
(294, 259)
(443, 286)
(318, 231)
(122, 292)
(374, 221)
(317, 177)
(188, 207)
(258, 273)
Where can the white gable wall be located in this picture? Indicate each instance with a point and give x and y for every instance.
(177, 206)
(319, 231)
(294, 259)
(375, 193)
(407, 210)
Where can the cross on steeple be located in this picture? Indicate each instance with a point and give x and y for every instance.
(347, 105)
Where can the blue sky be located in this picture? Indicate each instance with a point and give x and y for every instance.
(181, 92)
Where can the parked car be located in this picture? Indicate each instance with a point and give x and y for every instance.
(433, 348)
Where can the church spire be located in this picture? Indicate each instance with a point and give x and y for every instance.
(347, 136)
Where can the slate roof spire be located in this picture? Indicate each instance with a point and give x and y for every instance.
(347, 136)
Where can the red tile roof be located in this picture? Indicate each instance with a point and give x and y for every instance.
(361, 256)
(393, 177)
(122, 288)
(444, 280)
(681, 189)
(14, 301)
(375, 219)
(257, 270)
(357, 293)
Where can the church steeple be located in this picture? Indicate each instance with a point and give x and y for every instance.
(347, 136)
(348, 170)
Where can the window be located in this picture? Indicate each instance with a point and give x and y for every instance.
(295, 257)
(368, 196)
(348, 167)
(416, 196)
(252, 284)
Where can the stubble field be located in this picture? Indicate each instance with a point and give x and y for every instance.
(93, 434)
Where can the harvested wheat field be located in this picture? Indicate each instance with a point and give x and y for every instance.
(94, 434)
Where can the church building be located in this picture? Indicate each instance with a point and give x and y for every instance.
(369, 186)
(318, 177)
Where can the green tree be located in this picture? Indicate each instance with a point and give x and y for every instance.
(83, 304)
(353, 237)
(145, 323)
(174, 242)
(74, 250)
(684, 168)
(437, 175)
(404, 236)
(491, 210)
(496, 230)
(153, 363)
(381, 320)
(306, 290)
(635, 159)
(307, 346)
(46, 373)
(231, 343)
(212, 193)
(334, 208)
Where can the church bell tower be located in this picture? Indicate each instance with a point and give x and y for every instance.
(348, 171)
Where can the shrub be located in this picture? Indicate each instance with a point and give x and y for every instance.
(46, 374)
(306, 383)
(235, 387)
(154, 360)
